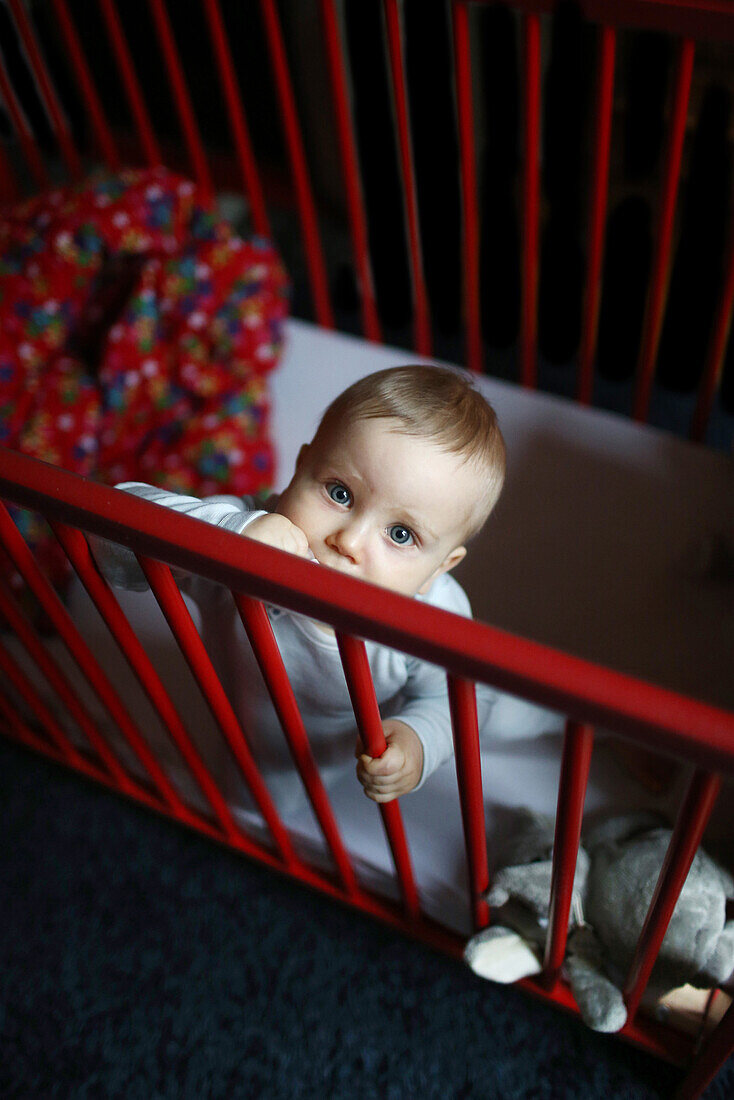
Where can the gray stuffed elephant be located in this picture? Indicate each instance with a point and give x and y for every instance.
(616, 873)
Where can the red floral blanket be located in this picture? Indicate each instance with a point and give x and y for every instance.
(137, 331)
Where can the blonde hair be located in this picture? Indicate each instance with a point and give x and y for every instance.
(437, 404)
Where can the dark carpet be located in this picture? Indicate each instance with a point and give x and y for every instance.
(139, 960)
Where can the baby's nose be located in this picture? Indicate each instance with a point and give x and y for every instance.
(348, 541)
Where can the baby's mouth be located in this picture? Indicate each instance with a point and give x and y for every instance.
(335, 561)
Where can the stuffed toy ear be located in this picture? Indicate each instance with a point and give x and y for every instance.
(600, 1002)
(528, 883)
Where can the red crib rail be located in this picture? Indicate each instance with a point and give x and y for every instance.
(598, 208)
(299, 167)
(661, 266)
(692, 730)
(422, 321)
(48, 92)
(569, 814)
(362, 694)
(129, 79)
(348, 149)
(463, 703)
(470, 207)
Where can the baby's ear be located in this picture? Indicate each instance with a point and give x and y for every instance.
(448, 563)
(452, 559)
(304, 449)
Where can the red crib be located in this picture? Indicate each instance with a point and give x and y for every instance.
(690, 730)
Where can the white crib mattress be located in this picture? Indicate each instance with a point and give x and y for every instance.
(587, 551)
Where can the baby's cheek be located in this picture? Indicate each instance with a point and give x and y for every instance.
(296, 515)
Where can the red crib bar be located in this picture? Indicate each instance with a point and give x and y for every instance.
(130, 82)
(577, 747)
(597, 213)
(687, 834)
(362, 694)
(238, 121)
(37, 652)
(304, 197)
(470, 208)
(25, 137)
(715, 357)
(77, 551)
(463, 704)
(90, 98)
(181, 97)
(531, 191)
(257, 625)
(350, 167)
(177, 615)
(655, 308)
(48, 95)
(24, 561)
(50, 726)
(422, 320)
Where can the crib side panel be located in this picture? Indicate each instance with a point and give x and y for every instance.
(504, 661)
(328, 221)
(146, 775)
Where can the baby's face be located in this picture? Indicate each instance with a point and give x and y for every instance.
(381, 505)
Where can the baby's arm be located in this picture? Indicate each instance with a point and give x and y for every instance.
(400, 767)
(119, 564)
(419, 733)
(418, 737)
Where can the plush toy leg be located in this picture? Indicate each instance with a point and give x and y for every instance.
(501, 955)
(600, 1002)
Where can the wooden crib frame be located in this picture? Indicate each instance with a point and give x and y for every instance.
(469, 651)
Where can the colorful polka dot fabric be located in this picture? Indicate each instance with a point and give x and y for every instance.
(137, 332)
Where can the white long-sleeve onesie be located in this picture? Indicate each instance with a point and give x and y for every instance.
(408, 689)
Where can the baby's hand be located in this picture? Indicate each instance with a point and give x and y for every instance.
(399, 768)
(275, 530)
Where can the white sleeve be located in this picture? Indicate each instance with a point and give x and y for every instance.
(119, 565)
(426, 704)
(425, 709)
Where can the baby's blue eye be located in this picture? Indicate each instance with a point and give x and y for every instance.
(339, 493)
(400, 535)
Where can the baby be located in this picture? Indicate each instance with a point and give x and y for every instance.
(404, 469)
